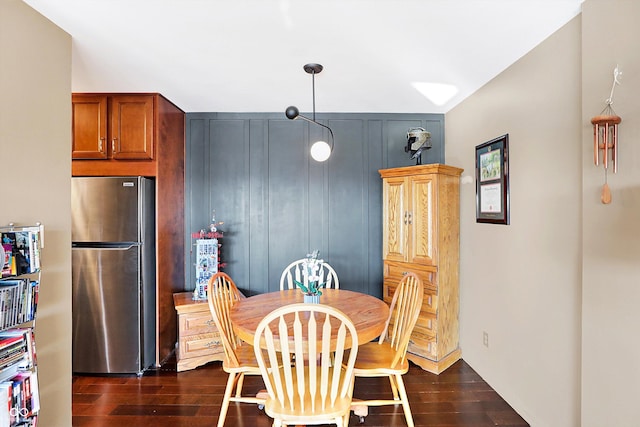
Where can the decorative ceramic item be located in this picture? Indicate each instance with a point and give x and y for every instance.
(311, 268)
(311, 299)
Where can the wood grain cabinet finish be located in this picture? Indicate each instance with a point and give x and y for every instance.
(118, 127)
(421, 234)
(89, 128)
(198, 338)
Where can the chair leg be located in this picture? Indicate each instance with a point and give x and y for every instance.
(225, 400)
(394, 388)
(405, 401)
(239, 385)
(345, 420)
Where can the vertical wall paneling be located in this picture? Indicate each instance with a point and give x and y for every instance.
(288, 196)
(318, 180)
(228, 189)
(348, 212)
(258, 208)
(277, 203)
(197, 212)
(374, 144)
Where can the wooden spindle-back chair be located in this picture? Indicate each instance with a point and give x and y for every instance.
(301, 351)
(295, 271)
(387, 356)
(222, 295)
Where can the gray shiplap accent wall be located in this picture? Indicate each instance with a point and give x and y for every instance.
(278, 204)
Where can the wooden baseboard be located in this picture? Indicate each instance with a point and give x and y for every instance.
(436, 367)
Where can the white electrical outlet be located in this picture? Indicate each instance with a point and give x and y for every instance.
(485, 339)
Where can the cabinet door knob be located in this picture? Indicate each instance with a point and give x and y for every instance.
(405, 217)
(410, 218)
(100, 141)
(113, 145)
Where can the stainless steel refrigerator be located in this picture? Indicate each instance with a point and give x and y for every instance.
(113, 274)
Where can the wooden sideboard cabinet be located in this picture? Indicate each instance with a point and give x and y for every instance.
(198, 338)
(421, 234)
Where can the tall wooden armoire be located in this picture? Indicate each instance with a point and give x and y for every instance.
(421, 234)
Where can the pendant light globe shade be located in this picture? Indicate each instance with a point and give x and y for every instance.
(292, 112)
(320, 151)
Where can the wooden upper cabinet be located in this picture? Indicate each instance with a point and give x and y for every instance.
(131, 119)
(89, 129)
(407, 219)
(118, 127)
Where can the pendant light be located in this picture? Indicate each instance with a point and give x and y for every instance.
(320, 150)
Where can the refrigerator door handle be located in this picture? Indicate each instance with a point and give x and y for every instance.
(119, 247)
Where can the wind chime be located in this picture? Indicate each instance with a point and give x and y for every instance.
(605, 138)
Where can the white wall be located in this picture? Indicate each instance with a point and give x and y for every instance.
(35, 135)
(611, 233)
(562, 312)
(521, 282)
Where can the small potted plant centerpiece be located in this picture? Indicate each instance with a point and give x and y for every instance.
(311, 275)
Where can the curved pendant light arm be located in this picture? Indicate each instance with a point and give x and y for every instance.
(319, 124)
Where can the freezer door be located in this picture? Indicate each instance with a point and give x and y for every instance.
(110, 209)
(108, 326)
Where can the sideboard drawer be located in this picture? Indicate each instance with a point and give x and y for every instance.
(200, 345)
(196, 323)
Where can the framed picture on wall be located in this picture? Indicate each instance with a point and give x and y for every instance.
(492, 181)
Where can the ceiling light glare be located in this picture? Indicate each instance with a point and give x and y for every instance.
(437, 93)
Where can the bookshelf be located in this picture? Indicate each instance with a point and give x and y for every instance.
(20, 249)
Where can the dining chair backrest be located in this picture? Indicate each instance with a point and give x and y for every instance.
(296, 272)
(403, 315)
(303, 375)
(222, 295)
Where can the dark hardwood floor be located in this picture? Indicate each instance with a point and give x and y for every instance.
(458, 397)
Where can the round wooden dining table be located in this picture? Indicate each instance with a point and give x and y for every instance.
(368, 313)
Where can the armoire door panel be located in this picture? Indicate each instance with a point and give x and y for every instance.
(395, 217)
(421, 220)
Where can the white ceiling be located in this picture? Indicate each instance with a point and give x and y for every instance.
(247, 55)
